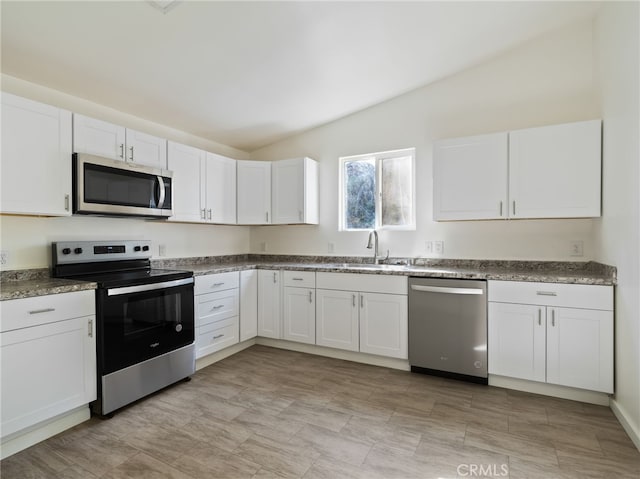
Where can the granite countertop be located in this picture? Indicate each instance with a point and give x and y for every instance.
(536, 271)
(37, 282)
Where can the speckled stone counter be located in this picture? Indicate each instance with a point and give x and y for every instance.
(27, 283)
(537, 271)
(37, 282)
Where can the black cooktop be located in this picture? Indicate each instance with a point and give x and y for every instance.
(133, 278)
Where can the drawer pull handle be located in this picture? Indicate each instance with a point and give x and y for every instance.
(215, 285)
(297, 279)
(546, 293)
(45, 310)
(218, 336)
(218, 306)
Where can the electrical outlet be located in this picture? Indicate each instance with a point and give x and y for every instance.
(4, 257)
(162, 250)
(576, 248)
(428, 247)
(331, 247)
(263, 246)
(438, 248)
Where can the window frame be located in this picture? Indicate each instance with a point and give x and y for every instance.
(378, 158)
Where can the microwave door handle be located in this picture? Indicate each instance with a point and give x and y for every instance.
(160, 203)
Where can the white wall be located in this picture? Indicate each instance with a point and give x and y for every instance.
(545, 81)
(27, 239)
(617, 40)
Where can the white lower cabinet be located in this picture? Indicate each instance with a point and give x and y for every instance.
(366, 318)
(269, 304)
(48, 357)
(248, 304)
(337, 319)
(564, 336)
(217, 312)
(299, 306)
(384, 324)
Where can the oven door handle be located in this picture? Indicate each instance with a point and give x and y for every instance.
(148, 287)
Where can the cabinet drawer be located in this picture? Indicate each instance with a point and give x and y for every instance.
(216, 282)
(373, 283)
(26, 312)
(214, 307)
(300, 279)
(212, 338)
(585, 296)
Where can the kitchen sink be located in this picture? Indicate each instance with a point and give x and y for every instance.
(390, 267)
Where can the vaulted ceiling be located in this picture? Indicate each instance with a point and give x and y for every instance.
(247, 74)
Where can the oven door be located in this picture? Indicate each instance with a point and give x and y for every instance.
(136, 323)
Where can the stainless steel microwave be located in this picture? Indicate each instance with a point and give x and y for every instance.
(103, 186)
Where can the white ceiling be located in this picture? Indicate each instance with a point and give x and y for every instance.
(246, 74)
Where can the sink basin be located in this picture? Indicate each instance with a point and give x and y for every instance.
(391, 267)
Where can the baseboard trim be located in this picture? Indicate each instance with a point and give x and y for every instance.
(564, 392)
(35, 434)
(632, 429)
(210, 359)
(356, 357)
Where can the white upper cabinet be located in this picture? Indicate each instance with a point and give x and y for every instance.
(101, 138)
(254, 192)
(470, 178)
(187, 183)
(546, 172)
(204, 185)
(36, 158)
(294, 191)
(220, 189)
(554, 171)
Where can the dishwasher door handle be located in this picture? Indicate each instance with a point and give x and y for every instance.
(445, 290)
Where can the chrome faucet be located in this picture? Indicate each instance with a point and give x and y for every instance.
(373, 244)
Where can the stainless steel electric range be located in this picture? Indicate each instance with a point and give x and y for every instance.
(144, 318)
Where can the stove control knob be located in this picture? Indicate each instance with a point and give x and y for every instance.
(145, 248)
(178, 327)
(66, 251)
(77, 250)
(136, 248)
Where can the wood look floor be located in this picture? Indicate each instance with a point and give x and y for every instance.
(269, 413)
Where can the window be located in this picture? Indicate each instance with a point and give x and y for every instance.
(376, 191)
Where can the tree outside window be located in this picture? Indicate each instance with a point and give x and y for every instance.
(377, 191)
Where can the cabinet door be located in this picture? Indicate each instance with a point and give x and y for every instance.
(294, 191)
(220, 189)
(46, 371)
(269, 310)
(97, 137)
(580, 348)
(36, 158)
(554, 171)
(470, 178)
(383, 324)
(517, 338)
(187, 183)
(254, 192)
(337, 319)
(144, 149)
(248, 304)
(299, 315)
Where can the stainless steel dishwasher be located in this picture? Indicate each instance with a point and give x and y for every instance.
(448, 328)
